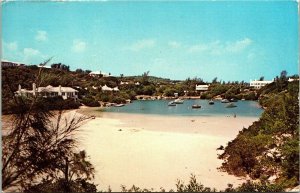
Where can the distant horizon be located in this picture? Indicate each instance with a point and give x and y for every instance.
(237, 41)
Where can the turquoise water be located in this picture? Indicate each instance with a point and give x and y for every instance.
(160, 107)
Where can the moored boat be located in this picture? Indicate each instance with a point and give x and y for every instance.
(225, 101)
(178, 101)
(233, 100)
(231, 105)
(211, 102)
(196, 106)
(172, 104)
(119, 105)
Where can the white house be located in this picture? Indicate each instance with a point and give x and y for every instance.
(99, 73)
(202, 87)
(106, 88)
(121, 83)
(5, 63)
(259, 83)
(293, 79)
(48, 91)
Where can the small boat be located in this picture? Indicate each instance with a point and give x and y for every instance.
(233, 100)
(172, 104)
(225, 101)
(211, 102)
(196, 106)
(231, 105)
(119, 105)
(178, 101)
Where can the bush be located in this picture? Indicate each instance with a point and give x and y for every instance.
(88, 101)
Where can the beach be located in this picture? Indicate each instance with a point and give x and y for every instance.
(153, 151)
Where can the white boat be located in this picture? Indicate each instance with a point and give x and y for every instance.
(211, 102)
(225, 101)
(231, 105)
(196, 106)
(172, 103)
(178, 101)
(119, 105)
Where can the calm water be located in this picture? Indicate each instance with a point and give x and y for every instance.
(160, 107)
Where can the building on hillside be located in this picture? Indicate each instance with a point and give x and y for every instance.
(6, 63)
(293, 79)
(107, 88)
(257, 84)
(121, 83)
(48, 91)
(99, 74)
(41, 66)
(202, 87)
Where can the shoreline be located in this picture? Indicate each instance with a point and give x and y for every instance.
(154, 151)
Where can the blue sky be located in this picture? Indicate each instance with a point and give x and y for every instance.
(228, 40)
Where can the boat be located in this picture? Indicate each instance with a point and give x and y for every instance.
(231, 105)
(225, 101)
(172, 104)
(196, 106)
(119, 105)
(178, 101)
(211, 102)
(233, 100)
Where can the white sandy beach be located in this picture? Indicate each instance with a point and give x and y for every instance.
(154, 151)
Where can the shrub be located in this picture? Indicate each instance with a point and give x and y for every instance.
(89, 101)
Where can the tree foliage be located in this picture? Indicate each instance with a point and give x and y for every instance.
(269, 146)
(38, 143)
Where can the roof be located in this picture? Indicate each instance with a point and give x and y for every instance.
(96, 72)
(202, 85)
(50, 88)
(106, 88)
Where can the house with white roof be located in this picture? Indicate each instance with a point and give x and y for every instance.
(107, 88)
(202, 87)
(99, 73)
(6, 63)
(48, 91)
(257, 84)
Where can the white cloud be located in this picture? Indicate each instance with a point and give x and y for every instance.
(30, 52)
(174, 44)
(30, 55)
(12, 46)
(218, 47)
(41, 36)
(213, 47)
(78, 46)
(142, 44)
(238, 45)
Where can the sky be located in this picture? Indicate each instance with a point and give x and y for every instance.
(231, 40)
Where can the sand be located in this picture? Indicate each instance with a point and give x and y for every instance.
(154, 151)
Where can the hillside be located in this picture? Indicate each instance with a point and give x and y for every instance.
(269, 149)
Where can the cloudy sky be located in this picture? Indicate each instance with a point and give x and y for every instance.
(228, 40)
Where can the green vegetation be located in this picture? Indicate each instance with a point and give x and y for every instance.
(90, 92)
(35, 149)
(270, 146)
(38, 149)
(194, 186)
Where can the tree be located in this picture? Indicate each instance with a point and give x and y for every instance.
(145, 78)
(261, 78)
(88, 71)
(79, 70)
(215, 80)
(38, 142)
(283, 75)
